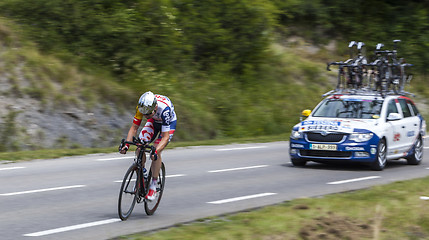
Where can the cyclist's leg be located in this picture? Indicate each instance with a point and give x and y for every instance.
(147, 135)
(148, 131)
(156, 165)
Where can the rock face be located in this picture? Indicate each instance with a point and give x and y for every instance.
(28, 122)
(38, 127)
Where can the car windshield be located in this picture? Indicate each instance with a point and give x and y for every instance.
(349, 108)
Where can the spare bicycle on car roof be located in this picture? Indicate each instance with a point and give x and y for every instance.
(386, 74)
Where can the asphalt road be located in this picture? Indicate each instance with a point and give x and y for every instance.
(76, 197)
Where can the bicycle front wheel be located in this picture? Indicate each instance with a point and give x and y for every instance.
(151, 206)
(129, 192)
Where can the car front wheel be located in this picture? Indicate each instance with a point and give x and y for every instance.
(416, 156)
(298, 162)
(381, 159)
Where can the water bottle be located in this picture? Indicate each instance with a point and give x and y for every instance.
(145, 173)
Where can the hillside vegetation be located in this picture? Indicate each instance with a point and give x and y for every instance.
(232, 68)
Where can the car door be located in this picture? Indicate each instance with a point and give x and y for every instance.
(410, 126)
(395, 129)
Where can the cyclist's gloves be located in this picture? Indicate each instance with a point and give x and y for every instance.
(122, 145)
(155, 155)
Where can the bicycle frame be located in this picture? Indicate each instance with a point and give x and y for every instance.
(138, 160)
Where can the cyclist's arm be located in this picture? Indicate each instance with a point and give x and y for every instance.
(132, 132)
(133, 129)
(164, 141)
(137, 120)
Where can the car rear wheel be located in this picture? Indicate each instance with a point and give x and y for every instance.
(298, 162)
(381, 159)
(416, 156)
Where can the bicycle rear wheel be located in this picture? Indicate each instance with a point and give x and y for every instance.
(129, 192)
(395, 86)
(371, 81)
(151, 206)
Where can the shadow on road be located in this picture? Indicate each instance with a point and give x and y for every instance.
(347, 166)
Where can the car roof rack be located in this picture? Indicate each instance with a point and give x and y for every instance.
(363, 91)
(386, 75)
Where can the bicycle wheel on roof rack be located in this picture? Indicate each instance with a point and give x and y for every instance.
(344, 80)
(372, 80)
(394, 85)
(384, 85)
(151, 206)
(340, 80)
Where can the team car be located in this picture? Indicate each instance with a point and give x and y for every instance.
(367, 127)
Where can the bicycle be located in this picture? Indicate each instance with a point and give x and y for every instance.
(372, 77)
(357, 68)
(392, 69)
(385, 74)
(342, 78)
(135, 186)
(352, 71)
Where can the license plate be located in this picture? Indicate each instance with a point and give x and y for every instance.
(329, 147)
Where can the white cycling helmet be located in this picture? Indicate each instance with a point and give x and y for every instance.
(147, 103)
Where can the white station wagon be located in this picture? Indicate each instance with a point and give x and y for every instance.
(368, 127)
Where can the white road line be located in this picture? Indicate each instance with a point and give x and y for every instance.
(11, 168)
(239, 148)
(241, 198)
(354, 180)
(176, 175)
(235, 169)
(168, 176)
(70, 228)
(41, 190)
(112, 159)
(119, 181)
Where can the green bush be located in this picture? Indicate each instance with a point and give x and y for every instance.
(217, 59)
(368, 21)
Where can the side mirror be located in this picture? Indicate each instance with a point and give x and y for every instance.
(305, 114)
(394, 117)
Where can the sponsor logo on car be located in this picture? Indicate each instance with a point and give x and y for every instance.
(297, 145)
(355, 149)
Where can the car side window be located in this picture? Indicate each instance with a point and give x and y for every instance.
(404, 106)
(391, 108)
(414, 108)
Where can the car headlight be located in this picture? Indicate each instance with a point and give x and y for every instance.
(361, 137)
(296, 134)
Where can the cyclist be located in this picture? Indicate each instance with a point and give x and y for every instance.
(161, 119)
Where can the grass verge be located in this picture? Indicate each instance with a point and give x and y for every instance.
(6, 157)
(392, 211)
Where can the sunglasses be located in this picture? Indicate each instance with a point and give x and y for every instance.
(149, 113)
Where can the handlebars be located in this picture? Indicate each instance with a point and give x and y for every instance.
(139, 144)
(337, 64)
(346, 63)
